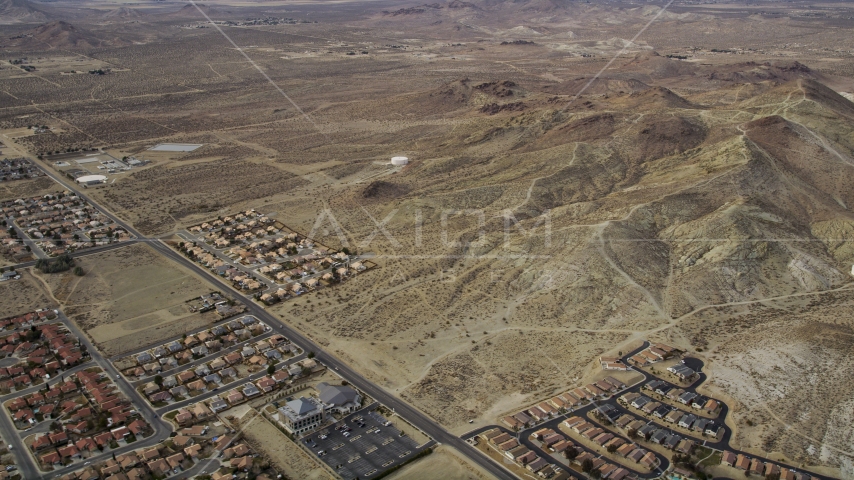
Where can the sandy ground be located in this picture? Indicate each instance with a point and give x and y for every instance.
(655, 179)
(22, 296)
(790, 393)
(287, 457)
(128, 297)
(444, 463)
(28, 188)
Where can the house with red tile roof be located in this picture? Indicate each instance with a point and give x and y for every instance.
(51, 458)
(40, 442)
(175, 461)
(103, 439)
(137, 427)
(120, 433)
(159, 467)
(69, 452)
(86, 445)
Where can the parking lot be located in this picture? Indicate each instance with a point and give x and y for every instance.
(365, 451)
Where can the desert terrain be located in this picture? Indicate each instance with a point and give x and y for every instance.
(443, 463)
(283, 453)
(129, 297)
(570, 192)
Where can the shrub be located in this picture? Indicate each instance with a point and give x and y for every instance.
(61, 263)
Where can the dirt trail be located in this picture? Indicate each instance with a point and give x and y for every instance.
(601, 248)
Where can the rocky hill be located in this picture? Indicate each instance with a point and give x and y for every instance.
(60, 34)
(22, 11)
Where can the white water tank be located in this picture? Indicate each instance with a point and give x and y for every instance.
(399, 161)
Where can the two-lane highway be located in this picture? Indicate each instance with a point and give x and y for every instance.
(403, 409)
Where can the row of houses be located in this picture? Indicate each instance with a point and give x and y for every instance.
(282, 258)
(674, 394)
(686, 420)
(561, 403)
(509, 447)
(102, 407)
(756, 466)
(64, 449)
(296, 288)
(192, 347)
(237, 395)
(56, 400)
(238, 278)
(241, 218)
(218, 372)
(337, 272)
(62, 219)
(557, 443)
(161, 461)
(43, 352)
(603, 438)
(653, 354)
(213, 339)
(27, 320)
(655, 434)
(18, 169)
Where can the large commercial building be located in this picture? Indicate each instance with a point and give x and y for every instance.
(302, 415)
(339, 398)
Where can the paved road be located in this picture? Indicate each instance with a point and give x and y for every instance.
(229, 386)
(27, 464)
(144, 348)
(411, 414)
(695, 364)
(414, 416)
(34, 249)
(201, 361)
(85, 251)
(12, 435)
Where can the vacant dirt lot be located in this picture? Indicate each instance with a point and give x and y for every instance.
(28, 188)
(445, 463)
(287, 457)
(155, 198)
(129, 297)
(682, 178)
(22, 296)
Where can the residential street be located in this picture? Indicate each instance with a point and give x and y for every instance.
(201, 361)
(720, 444)
(411, 414)
(25, 461)
(34, 249)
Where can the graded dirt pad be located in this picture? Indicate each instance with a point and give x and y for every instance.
(129, 297)
(444, 463)
(24, 295)
(288, 458)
